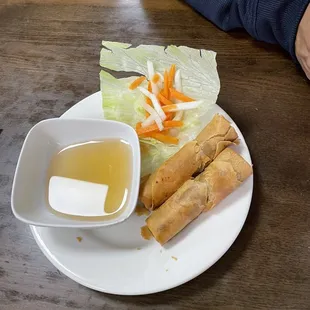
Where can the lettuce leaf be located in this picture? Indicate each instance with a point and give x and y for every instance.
(200, 80)
(118, 102)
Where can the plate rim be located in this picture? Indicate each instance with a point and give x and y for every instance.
(83, 282)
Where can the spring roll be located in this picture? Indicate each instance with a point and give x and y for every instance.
(192, 158)
(201, 194)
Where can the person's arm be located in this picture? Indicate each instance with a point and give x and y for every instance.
(272, 21)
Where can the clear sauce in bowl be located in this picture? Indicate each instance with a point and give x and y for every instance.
(90, 179)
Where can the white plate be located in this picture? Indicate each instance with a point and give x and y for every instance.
(117, 260)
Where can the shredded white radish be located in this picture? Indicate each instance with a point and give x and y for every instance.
(186, 106)
(151, 72)
(178, 116)
(160, 83)
(178, 87)
(161, 76)
(149, 121)
(154, 114)
(178, 81)
(150, 69)
(155, 88)
(155, 102)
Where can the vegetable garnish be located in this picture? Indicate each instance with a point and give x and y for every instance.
(182, 106)
(178, 81)
(153, 114)
(167, 125)
(178, 86)
(156, 78)
(149, 86)
(166, 85)
(178, 115)
(171, 75)
(180, 96)
(159, 105)
(136, 82)
(147, 99)
(159, 119)
(164, 100)
(164, 138)
(195, 70)
(138, 126)
(155, 102)
(151, 72)
(170, 116)
(172, 100)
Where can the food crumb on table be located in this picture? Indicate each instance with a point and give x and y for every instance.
(79, 239)
(175, 258)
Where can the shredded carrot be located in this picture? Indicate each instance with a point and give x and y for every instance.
(149, 86)
(164, 100)
(169, 116)
(166, 85)
(138, 126)
(162, 92)
(149, 134)
(136, 82)
(171, 75)
(180, 96)
(149, 102)
(172, 124)
(155, 78)
(143, 130)
(168, 108)
(154, 128)
(164, 138)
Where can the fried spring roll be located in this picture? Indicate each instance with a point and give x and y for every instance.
(217, 181)
(192, 158)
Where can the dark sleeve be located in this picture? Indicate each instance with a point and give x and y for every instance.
(272, 21)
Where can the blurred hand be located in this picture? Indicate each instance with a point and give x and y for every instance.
(302, 43)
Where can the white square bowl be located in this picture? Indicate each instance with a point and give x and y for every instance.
(29, 202)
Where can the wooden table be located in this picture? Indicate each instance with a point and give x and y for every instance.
(49, 54)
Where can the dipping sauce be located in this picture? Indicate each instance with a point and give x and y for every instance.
(91, 178)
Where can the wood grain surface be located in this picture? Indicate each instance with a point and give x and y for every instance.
(49, 55)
